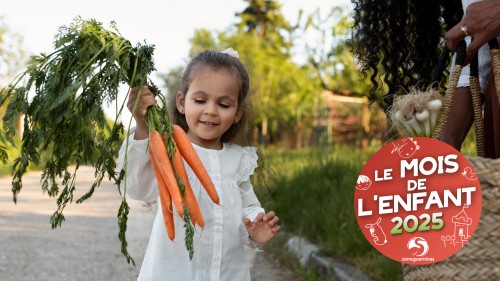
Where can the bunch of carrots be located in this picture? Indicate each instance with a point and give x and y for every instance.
(66, 116)
(168, 146)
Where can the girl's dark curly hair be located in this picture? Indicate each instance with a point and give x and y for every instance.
(399, 42)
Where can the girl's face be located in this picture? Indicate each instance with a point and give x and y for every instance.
(210, 106)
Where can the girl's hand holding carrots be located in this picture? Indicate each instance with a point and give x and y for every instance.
(146, 99)
(264, 228)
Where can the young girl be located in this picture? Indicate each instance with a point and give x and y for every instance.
(211, 108)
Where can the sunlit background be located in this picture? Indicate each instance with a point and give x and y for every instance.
(169, 25)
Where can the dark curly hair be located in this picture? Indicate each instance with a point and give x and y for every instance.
(400, 42)
(216, 61)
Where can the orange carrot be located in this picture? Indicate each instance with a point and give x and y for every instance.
(186, 149)
(166, 201)
(160, 156)
(189, 198)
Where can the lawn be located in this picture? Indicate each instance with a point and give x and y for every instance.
(312, 191)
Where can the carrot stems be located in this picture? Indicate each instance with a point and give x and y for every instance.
(66, 116)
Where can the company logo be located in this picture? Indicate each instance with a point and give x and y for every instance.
(420, 244)
(417, 200)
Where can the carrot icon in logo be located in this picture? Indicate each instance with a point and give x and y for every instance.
(421, 245)
(377, 232)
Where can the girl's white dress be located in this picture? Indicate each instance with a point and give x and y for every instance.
(220, 249)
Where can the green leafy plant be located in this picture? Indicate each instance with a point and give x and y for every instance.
(62, 96)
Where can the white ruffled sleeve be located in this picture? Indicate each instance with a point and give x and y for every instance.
(140, 178)
(248, 164)
(250, 204)
(251, 207)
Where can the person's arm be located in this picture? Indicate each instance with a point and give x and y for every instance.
(482, 22)
(250, 203)
(139, 178)
(460, 118)
(261, 227)
(146, 99)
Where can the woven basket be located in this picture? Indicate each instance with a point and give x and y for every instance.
(479, 259)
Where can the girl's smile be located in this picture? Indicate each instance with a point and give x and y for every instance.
(210, 124)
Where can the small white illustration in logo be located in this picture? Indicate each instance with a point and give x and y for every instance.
(469, 174)
(461, 230)
(377, 232)
(405, 147)
(420, 244)
(363, 182)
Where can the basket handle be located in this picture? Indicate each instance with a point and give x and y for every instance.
(450, 91)
(477, 105)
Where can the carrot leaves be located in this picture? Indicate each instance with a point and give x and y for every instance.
(62, 96)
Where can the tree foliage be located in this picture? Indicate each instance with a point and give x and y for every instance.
(285, 95)
(280, 87)
(202, 40)
(329, 57)
(264, 18)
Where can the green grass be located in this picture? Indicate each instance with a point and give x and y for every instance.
(312, 191)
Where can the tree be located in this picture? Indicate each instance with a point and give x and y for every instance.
(172, 79)
(286, 96)
(202, 39)
(264, 39)
(264, 18)
(330, 58)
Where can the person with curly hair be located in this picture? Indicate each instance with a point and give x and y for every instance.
(402, 44)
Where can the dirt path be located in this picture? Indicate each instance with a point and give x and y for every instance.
(87, 246)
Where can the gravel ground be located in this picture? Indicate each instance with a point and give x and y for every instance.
(86, 247)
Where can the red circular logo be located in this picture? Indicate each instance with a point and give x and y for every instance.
(417, 200)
